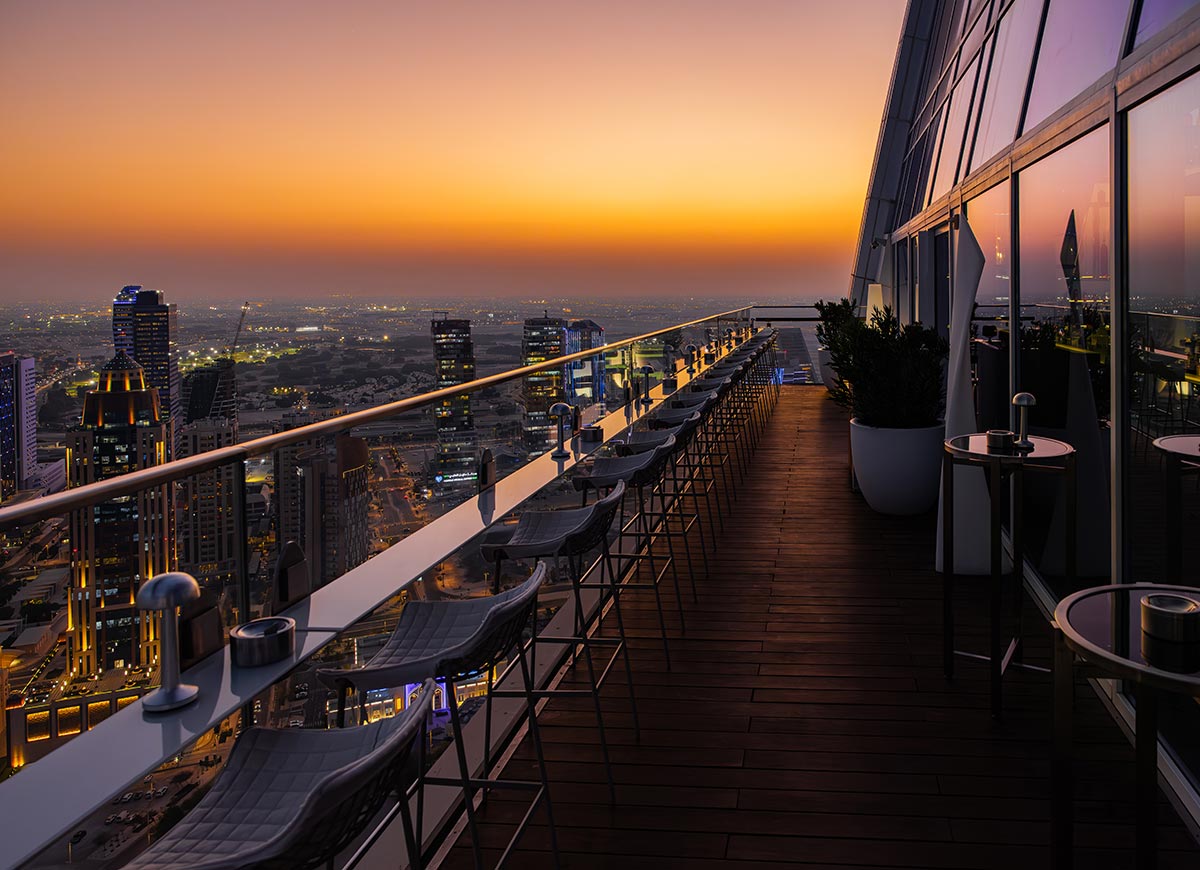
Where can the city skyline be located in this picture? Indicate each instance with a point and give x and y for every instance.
(351, 157)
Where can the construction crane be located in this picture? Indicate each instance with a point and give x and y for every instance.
(238, 334)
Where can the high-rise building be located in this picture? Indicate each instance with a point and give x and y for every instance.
(122, 318)
(146, 328)
(322, 502)
(585, 378)
(455, 463)
(119, 543)
(544, 338)
(18, 424)
(208, 532)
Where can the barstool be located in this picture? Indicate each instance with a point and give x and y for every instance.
(451, 641)
(638, 472)
(571, 533)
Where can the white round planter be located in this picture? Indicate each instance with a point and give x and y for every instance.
(898, 470)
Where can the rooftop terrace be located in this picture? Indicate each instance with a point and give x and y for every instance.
(806, 721)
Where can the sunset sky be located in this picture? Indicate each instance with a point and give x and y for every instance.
(293, 147)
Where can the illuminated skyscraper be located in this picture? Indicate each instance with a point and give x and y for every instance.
(18, 424)
(544, 338)
(117, 544)
(454, 352)
(208, 533)
(146, 328)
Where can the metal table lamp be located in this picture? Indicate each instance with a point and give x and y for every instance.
(166, 592)
(562, 412)
(1023, 402)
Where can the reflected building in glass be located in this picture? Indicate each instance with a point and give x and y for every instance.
(120, 543)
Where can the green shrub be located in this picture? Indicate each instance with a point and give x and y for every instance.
(888, 376)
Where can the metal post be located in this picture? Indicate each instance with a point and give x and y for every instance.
(1061, 769)
(947, 564)
(1146, 789)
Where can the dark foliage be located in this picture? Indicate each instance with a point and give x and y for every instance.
(889, 376)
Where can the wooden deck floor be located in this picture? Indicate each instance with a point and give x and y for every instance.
(806, 722)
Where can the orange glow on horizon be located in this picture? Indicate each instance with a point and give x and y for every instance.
(535, 126)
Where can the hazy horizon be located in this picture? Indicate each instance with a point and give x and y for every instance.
(295, 148)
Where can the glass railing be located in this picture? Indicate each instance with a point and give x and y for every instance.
(798, 351)
(335, 522)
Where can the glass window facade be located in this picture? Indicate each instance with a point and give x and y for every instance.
(956, 123)
(1157, 14)
(1065, 196)
(1007, 80)
(1080, 42)
(1065, 272)
(1163, 355)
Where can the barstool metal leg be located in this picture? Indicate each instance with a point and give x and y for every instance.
(464, 773)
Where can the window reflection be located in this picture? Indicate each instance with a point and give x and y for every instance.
(990, 220)
(1082, 40)
(1164, 303)
(1008, 78)
(1065, 232)
(956, 122)
(1157, 14)
(1163, 358)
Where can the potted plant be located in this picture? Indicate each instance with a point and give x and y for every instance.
(892, 379)
(835, 317)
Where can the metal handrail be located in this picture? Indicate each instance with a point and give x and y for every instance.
(90, 494)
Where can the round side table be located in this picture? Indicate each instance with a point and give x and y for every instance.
(1182, 455)
(1099, 632)
(1047, 454)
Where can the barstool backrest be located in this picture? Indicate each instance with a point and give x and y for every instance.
(500, 632)
(597, 527)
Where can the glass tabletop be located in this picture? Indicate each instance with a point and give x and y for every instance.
(1104, 624)
(1186, 446)
(975, 446)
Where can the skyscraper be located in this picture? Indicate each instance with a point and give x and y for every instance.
(585, 378)
(122, 318)
(454, 352)
(119, 543)
(544, 338)
(18, 424)
(208, 531)
(337, 499)
(322, 500)
(146, 328)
